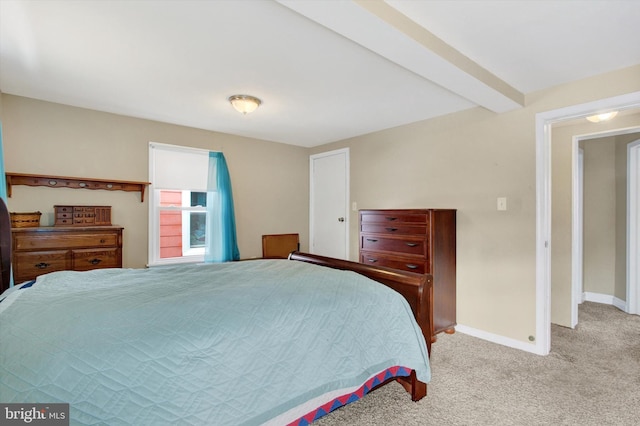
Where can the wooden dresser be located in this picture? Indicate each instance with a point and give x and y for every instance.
(416, 240)
(37, 251)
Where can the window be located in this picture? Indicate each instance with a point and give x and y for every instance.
(177, 203)
(194, 221)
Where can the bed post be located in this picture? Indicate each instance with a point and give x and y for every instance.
(5, 247)
(415, 387)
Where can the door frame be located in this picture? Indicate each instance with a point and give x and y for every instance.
(544, 121)
(633, 228)
(577, 233)
(577, 223)
(347, 185)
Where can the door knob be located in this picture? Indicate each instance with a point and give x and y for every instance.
(341, 219)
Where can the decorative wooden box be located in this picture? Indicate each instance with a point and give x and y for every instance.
(25, 220)
(82, 215)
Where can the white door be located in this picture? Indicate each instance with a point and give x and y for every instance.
(329, 201)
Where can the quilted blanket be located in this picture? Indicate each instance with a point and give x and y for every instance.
(215, 344)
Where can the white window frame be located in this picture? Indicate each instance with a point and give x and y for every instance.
(188, 254)
(187, 209)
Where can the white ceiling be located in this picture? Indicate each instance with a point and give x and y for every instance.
(325, 70)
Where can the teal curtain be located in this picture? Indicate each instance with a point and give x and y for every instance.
(221, 239)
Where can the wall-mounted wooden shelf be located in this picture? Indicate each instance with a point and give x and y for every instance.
(75, 183)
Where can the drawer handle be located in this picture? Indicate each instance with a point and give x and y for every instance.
(373, 240)
(102, 241)
(372, 260)
(391, 218)
(42, 265)
(391, 229)
(412, 266)
(411, 244)
(95, 261)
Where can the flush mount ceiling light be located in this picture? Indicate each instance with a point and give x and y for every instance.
(244, 103)
(602, 117)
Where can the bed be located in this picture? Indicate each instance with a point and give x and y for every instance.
(269, 341)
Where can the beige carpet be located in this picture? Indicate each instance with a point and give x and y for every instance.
(591, 377)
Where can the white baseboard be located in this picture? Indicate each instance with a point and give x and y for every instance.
(533, 347)
(501, 340)
(606, 299)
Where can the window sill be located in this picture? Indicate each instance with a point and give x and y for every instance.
(176, 261)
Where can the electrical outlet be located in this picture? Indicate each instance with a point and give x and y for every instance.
(502, 203)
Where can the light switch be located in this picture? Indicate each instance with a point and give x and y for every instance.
(502, 203)
(354, 206)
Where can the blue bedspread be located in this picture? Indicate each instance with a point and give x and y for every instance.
(216, 344)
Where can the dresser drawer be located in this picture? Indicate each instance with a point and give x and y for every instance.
(415, 245)
(393, 228)
(68, 240)
(87, 259)
(393, 218)
(30, 264)
(419, 266)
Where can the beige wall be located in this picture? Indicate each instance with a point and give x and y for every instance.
(599, 215)
(462, 161)
(270, 180)
(465, 161)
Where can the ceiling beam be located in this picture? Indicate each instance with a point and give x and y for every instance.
(382, 29)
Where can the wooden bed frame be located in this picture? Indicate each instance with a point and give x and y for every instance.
(416, 288)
